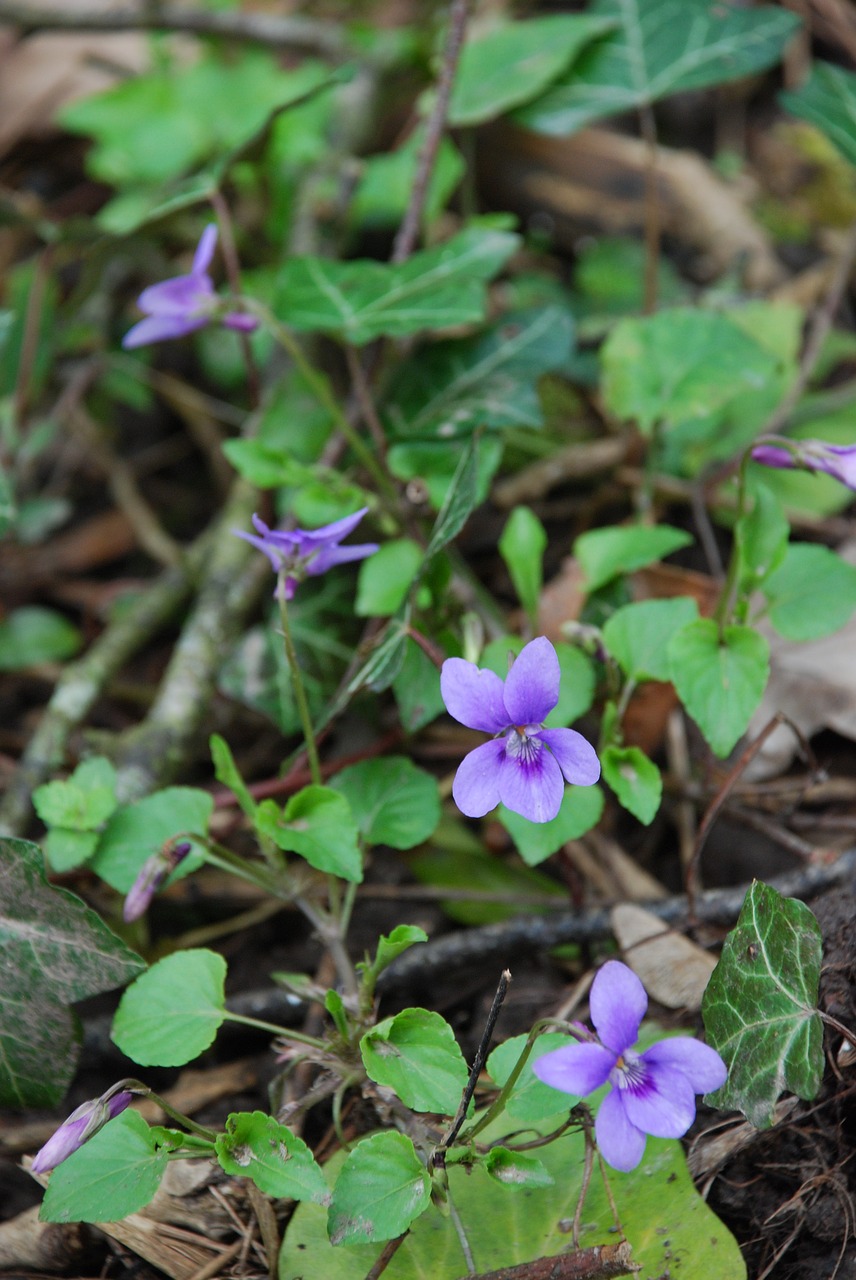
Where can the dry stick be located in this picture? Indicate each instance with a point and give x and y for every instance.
(385, 1257)
(233, 577)
(304, 34)
(475, 1071)
(82, 682)
(497, 943)
(691, 877)
(600, 1262)
(408, 232)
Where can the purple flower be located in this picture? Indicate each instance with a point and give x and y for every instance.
(652, 1092)
(299, 553)
(525, 766)
(838, 460)
(151, 876)
(185, 303)
(80, 1126)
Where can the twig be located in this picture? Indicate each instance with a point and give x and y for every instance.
(408, 232)
(475, 1071)
(498, 943)
(233, 576)
(597, 1263)
(365, 399)
(304, 34)
(387, 1253)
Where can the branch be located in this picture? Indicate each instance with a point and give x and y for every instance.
(304, 34)
(597, 1263)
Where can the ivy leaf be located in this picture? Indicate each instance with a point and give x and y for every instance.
(318, 824)
(448, 389)
(115, 1173)
(635, 780)
(605, 553)
(662, 47)
(760, 1006)
(172, 1012)
(53, 951)
(382, 1187)
(811, 593)
(392, 800)
(515, 62)
(720, 679)
(416, 1054)
(359, 301)
(255, 1146)
(828, 100)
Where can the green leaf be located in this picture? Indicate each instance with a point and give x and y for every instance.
(32, 634)
(172, 1012)
(811, 593)
(83, 801)
(522, 544)
(318, 824)
(416, 1054)
(66, 849)
(681, 366)
(448, 389)
(459, 502)
(662, 1215)
(761, 537)
(386, 578)
(435, 465)
(636, 635)
(227, 773)
(417, 689)
(515, 1169)
(828, 100)
(719, 679)
(279, 1163)
(605, 553)
(386, 182)
(662, 47)
(635, 780)
(580, 810)
(362, 300)
(391, 946)
(136, 831)
(54, 951)
(393, 802)
(382, 1187)
(530, 1101)
(515, 62)
(112, 1175)
(576, 674)
(760, 1006)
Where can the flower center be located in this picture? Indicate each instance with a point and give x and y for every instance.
(629, 1071)
(521, 745)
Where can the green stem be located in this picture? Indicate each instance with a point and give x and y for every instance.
(725, 608)
(142, 1090)
(498, 1105)
(286, 1032)
(299, 687)
(318, 385)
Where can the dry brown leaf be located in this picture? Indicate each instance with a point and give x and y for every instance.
(672, 968)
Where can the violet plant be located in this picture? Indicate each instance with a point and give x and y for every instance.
(311, 851)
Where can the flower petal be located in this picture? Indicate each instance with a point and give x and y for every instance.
(205, 249)
(473, 696)
(701, 1065)
(532, 687)
(576, 756)
(662, 1104)
(575, 1068)
(840, 462)
(533, 788)
(183, 295)
(329, 533)
(262, 544)
(160, 329)
(617, 1003)
(619, 1141)
(240, 321)
(770, 455)
(327, 557)
(476, 786)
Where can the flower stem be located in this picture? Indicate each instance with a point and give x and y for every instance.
(725, 608)
(298, 686)
(287, 1032)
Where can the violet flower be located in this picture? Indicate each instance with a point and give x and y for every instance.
(151, 876)
(80, 1126)
(652, 1092)
(296, 554)
(525, 766)
(838, 460)
(180, 306)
